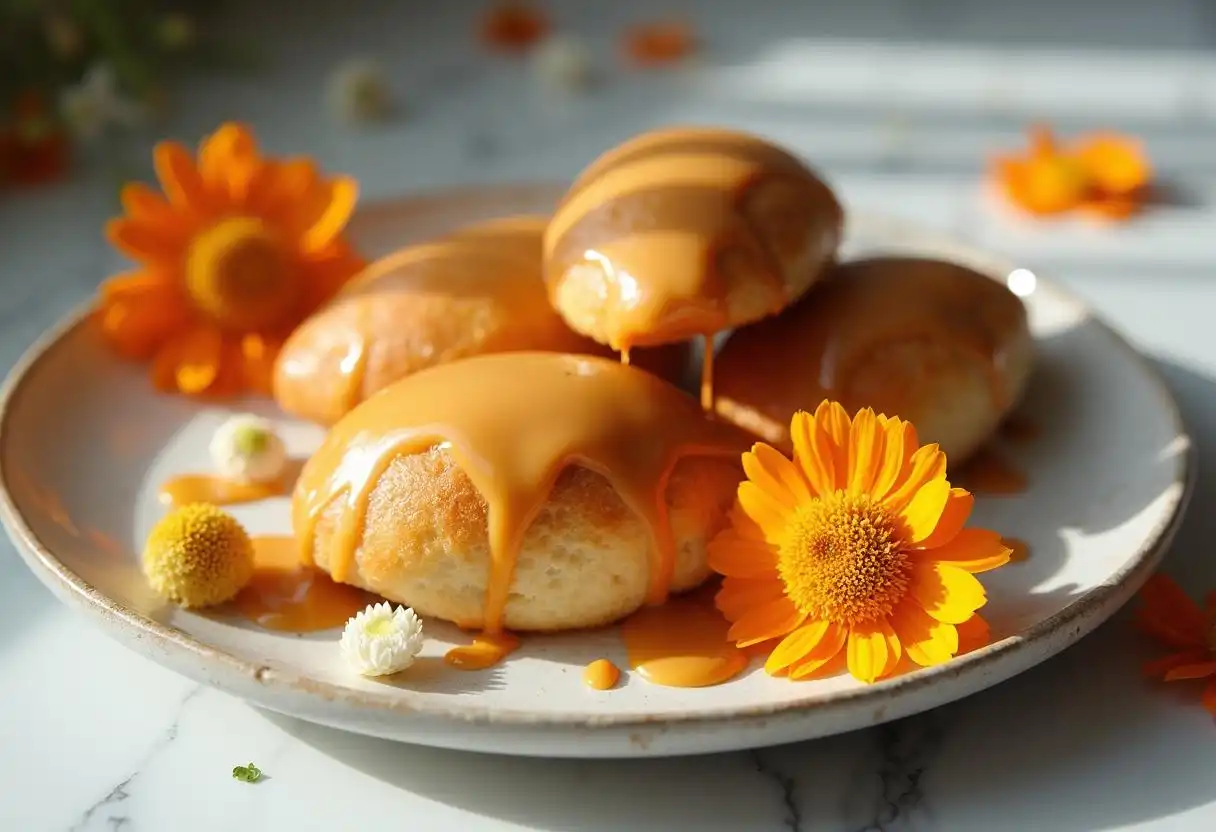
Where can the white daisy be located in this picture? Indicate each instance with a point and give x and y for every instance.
(379, 640)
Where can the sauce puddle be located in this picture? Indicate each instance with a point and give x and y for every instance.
(219, 491)
(486, 651)
(682, 644)
(286, 595)
(989, 473)
(601, 674)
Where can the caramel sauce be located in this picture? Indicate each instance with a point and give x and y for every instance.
(486, 651)
(1021, 549)
(220, 491)
(678, 220)
(601, 674)
(513, 422)
(886, 333)
(289, 596)
(989, 473)
(682, 644)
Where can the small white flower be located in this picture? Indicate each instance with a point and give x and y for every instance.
(564, 63)
(359, 92)
(379, 640)
(247, 449)
(95, 104)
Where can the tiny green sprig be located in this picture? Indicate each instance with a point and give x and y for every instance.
(247, 774)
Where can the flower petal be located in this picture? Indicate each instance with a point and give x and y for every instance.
(769, 514)
(976, 550)
(894, 648)
(739, 595)
(831, 418)
(767, 477)
(795, 647)
(898, 443)
(954, 517)
(231, 146)
(199, 361)
(771, 620)
(740, 557)
(925, 641)
(340, 196)
(782, 470)
(142, 242)
(867, 654)
(829, 647)
(137, 325)
(946, 592)
(257, 354)
(923, 511)
(928, 463)
(1199, 670)
(134, 284)
(1115, 164)
(865, 452)
(1167, 631)
(1159, 667)
(149, 209)
(179, 177)
(973, 634)
(1209, 697)
(813, 453)
(1166, 602)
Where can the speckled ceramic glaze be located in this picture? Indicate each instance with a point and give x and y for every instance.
(84, 443)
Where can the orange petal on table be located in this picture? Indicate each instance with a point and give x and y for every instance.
(771, 620)
(898, 443)
(657, 44)
(1165, 602)
(1117, 165)
(1111, 208)
(1159, 667)
(945, 592)
(867, 652)
(179, 176)
(513, 26)
(954, 517)
(1199, 670)
(198, 363)
(142, 242)
(739, 595)
(796, 646)
(1042, 141)
(1209, 697)
(928, 463)
(766, 511)
(1166, 630)
(832, 644)
(925, 640)
(740, 557)
(975, 550)
(813, 453)
(866, 447)
(924, 511)
(137, 325)
(1045, 185)
(973, 634)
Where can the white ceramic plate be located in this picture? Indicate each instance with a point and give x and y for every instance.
(84, 443)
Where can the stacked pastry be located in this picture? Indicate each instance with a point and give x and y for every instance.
(492, 463)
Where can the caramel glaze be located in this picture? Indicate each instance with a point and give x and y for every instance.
(286, 595)
(513, 422)
(682, 221)
(845, 342)
(474, 291)
(220, 491)
(601, 674)
(682, 644)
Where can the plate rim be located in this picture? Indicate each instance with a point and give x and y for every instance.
(67, 584)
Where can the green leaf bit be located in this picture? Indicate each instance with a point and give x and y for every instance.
(247, 774)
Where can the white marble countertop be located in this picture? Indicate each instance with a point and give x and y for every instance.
(93, 737)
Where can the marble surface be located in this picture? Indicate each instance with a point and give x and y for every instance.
(898, 102)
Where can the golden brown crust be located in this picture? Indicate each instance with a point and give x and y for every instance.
(584, 561)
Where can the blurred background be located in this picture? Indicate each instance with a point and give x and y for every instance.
(902, 104)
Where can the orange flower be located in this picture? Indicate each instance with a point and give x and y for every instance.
(1170, 615)
(1103, 174)
(856, 545)
(235, 254)
(513, 27)
(658, 44)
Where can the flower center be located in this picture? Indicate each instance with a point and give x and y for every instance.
(237, 275)
(843, 559)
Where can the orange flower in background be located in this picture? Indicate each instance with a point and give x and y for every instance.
(856, 545)
(513, 26)
(1103, 174)
(659, 44)
(238, 250)
(1170, 615)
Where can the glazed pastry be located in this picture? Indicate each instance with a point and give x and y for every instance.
(476, 291)
(932, 342)
(687, 231)
(521, 491)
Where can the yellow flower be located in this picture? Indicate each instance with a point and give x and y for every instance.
(857, 545)
(235, 254)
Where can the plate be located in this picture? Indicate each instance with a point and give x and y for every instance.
(84, 443)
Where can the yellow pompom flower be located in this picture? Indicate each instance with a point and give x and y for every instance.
(198, 556)
(855, 545)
